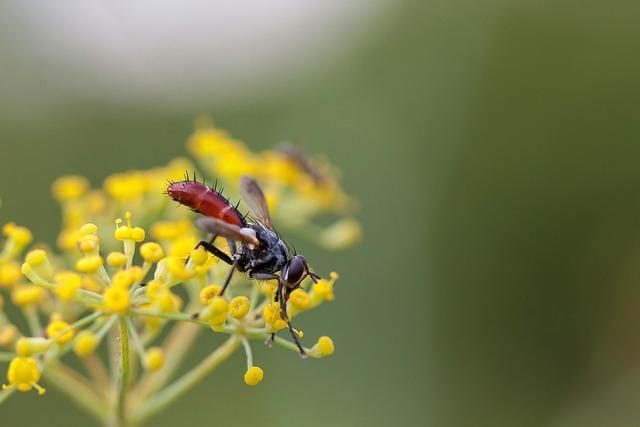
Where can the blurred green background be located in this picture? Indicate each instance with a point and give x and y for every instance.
(493, 147)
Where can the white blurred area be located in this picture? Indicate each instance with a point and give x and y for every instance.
(172, 55)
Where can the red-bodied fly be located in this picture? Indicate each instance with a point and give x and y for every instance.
(261, 252)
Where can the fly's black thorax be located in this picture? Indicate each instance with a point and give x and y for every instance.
(269, 257)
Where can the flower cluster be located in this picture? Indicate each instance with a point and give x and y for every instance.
(127, 276)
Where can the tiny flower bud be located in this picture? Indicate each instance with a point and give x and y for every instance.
(85, 344)
(239, 306)
(253, 376)
(154, 359)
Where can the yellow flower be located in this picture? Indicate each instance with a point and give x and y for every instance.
(216, 313)
(177, 270)
(128, 232)
(117, 259)
(169, 230)
(69, 187)
(10, 274)
(323, 348)
(24, 375)
(85, 344)
(207, 293)
(154, 359)
(253, 376)
(151, 252)
(25, 295)
(8, 334)
(68, 285)
(125, 187)
(116, 299)
(18, 238)
(342, 234)
(272, 317)
(56, 331)
(300, 299)
(161, 297)
(38, 262)
(239, 306)
(89, 264)
(89, 243)
(33, 345)
(322, 291)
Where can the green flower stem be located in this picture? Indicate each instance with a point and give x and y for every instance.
(247, 352)
(6, 356)
(33, 321)
(163, 398)
(5, 394)
(76, 390)
(78, 324)
(181, 317)
(94, 367)
(254, 333)
(123, 378)
(178, 344)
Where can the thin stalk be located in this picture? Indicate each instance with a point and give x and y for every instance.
(6, 356)
(161, 399)
(123, 378)
(78, 391)
(247, 352)
(4, 394)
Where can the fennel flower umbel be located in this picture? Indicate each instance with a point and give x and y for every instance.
(123, 254)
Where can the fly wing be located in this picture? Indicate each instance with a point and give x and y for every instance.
(254, 198)
(230, 231)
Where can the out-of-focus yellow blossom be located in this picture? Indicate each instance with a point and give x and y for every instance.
(25, 295)
(151, 252)
(342, 234)
(38, 261)
(85, 344)
(69, 187)
(117, 259)
(10, 274)
(116, 299)
(18, 238)
(32, 346)
(8, 335)
(56, 330)
(68, 285)
(89, 264)
(125, 187)
(154, 359)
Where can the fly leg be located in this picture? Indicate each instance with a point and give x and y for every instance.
(209, 247)
(283, 314)
(234, 264)
(266, 276)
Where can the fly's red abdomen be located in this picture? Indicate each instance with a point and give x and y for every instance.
(205, 200)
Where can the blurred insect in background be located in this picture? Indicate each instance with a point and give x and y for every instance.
(261, 251)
